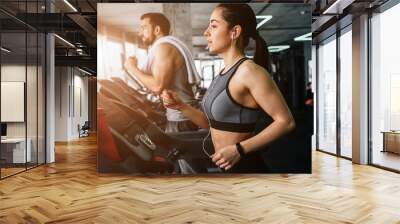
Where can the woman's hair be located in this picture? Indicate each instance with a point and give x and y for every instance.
(243, 15)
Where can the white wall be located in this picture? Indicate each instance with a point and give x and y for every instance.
(61, 103)
(12, 73)
(33, 126)
(79, 117)
(70, 83)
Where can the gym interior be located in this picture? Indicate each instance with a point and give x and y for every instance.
(134, 150)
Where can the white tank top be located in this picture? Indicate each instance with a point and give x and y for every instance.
(182, 87)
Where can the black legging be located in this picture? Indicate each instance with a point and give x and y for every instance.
(251, 163)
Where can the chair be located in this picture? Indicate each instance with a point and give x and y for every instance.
(84, 130)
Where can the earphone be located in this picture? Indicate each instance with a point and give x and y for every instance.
(209, 132)
(204, 140)
(208, 120)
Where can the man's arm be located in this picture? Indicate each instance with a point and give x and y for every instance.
(162, 69)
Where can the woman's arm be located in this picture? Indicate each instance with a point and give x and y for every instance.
(269, 98)
(267, 95)
(173, 101)
(195, 115)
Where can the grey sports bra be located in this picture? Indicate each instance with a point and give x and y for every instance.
(223, 112)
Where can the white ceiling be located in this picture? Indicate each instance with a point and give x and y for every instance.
(125, 16)
(289, 19)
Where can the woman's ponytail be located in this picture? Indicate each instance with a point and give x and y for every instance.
(243, 15)
(261, 55)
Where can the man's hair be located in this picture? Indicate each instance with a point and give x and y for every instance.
(158, 19)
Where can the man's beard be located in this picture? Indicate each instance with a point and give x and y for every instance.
(147, 42)
(143, 44)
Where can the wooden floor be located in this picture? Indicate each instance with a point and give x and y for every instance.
(71, 191)
(387, 159)
(10, 171)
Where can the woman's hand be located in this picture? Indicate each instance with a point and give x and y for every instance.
(172, 100)
(226, 157)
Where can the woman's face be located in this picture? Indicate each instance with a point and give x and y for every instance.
(218, 33)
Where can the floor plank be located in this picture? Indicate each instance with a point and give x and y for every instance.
(71, 191)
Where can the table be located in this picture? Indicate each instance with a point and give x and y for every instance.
(13, 150)
(391, 141)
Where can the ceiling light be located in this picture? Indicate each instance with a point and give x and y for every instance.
(331, 7)
(277, 48)
(65, 41)
(338, 6)
(265, 18)
(70, 5)
(5, 50)
(305, 37)
(84, 71)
